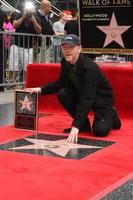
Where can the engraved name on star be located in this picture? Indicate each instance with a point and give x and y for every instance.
(113, 32)
(59, 147)
(26, 103)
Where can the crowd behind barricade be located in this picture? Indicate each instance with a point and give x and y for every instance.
(26, 37)
(31, 36)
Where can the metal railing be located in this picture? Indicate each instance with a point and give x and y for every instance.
(19, 49)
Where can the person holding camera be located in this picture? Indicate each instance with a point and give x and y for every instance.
(22, 49)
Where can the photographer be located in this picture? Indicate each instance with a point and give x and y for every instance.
(22, 50)
(27, 22)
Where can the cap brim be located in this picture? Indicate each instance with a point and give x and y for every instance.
(69, 42)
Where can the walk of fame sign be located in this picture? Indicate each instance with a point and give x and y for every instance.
(106, 26)
(26, 110)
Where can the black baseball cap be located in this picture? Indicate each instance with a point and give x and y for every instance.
(71, 39)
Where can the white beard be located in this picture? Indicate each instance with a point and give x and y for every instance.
(68, 59)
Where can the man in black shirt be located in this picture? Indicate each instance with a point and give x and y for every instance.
(25, 24)
(82, 88)
(43, 13)
(21, 52)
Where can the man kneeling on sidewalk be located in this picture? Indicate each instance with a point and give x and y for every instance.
(81, 88)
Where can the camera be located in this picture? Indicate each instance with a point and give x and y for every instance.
(29, 8)
(28, 14)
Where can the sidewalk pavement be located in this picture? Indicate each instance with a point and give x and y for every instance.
(7, 97)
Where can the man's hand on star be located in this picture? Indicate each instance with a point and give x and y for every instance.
(59, 147)
(73, 135)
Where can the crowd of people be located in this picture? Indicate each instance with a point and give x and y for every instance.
(21, 48)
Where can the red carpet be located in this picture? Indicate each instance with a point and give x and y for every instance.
(26, 176)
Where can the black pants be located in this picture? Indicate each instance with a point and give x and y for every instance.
(103, 121)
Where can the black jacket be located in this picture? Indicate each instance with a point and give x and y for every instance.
(94, 90)
(26, 27)
(46, 27)
(45, 24)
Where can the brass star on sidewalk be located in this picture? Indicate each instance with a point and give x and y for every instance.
(113, 32)
(59, 147)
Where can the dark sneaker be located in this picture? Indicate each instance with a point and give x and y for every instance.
(116, 119)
